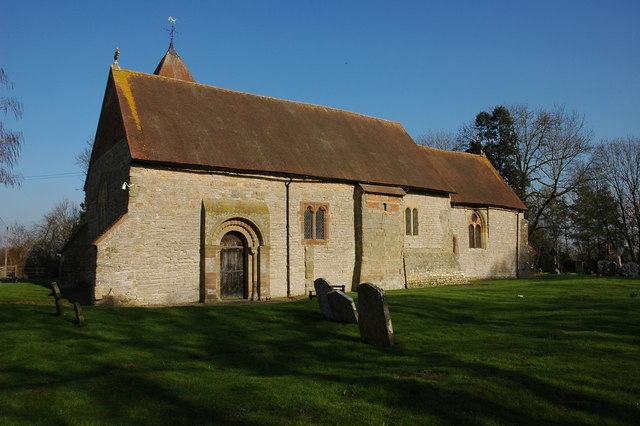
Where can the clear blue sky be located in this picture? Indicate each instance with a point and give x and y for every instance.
(428, 65)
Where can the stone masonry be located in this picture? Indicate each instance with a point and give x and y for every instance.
(379, 240)
(153, 254)
(160, 239)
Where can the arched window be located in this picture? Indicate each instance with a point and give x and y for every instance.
(411, 221)
(407, 221)
(475, 231)
(320, 224)
(308, 223)
(315, 221)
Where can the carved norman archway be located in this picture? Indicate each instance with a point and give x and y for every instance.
(257, 259)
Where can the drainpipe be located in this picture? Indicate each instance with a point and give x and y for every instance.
(286, 184)
(517, 245)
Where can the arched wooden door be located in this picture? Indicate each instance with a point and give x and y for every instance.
(233, 283)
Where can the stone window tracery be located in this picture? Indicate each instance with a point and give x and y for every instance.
(315, 222)
(475, 231)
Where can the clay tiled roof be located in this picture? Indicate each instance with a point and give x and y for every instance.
(172, 66)
(475, 180)
(174, 122)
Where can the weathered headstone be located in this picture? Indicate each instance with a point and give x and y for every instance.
(58, 298)
(607, 268)
(55, 290)
(323, 287)
(342, 307)
(556, 264)
(373, 316)
(630, 269)
(79, 314)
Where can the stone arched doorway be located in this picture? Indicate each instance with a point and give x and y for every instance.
(235, 262)
(233, 266)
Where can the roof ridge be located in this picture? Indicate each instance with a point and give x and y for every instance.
(451, 152)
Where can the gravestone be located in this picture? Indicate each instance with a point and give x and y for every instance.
(58, 298)
(55, 290)
(556, 264)
(373, 316)
(579, 267)
(323, 287)
(342, 307)
(79, 315)
(607, 268)
(630, 269)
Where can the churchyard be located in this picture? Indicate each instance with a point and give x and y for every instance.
(555, 349)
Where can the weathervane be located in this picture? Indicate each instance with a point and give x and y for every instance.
(172, 31)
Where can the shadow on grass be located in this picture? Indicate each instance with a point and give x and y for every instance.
(284, 364)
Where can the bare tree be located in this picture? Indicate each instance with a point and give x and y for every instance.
(619, 163)
(54, 230)
(10, 141)
(21, 243)
(84, 157)
(440, 139)
(552, 156)
(41, 244)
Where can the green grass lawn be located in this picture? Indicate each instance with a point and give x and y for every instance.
(550, 350)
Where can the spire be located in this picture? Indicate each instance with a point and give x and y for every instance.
(172, 65)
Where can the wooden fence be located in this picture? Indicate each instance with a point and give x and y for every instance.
(35, 272)
(8, 271)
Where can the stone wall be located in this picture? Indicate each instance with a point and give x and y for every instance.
(153, 255)
(333, 258)
(497, 256)
(77, 265)
(526, 253)
(109, 172)
(379, 241)
(429, 257)
(160, 243)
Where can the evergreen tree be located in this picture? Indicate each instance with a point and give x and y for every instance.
(595, 223)
(494, 136)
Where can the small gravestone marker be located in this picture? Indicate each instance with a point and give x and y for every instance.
(373, 316)
(630, 269)
(56, 294)
(323, 287)
(342, 307)
(79, 315)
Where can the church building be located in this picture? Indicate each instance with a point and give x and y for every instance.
(197, 193)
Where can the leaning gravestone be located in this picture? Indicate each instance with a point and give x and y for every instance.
(58, 297)
(373, 316)
(342, 307)
(630, 269)
(323, 287)
(79, 315)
